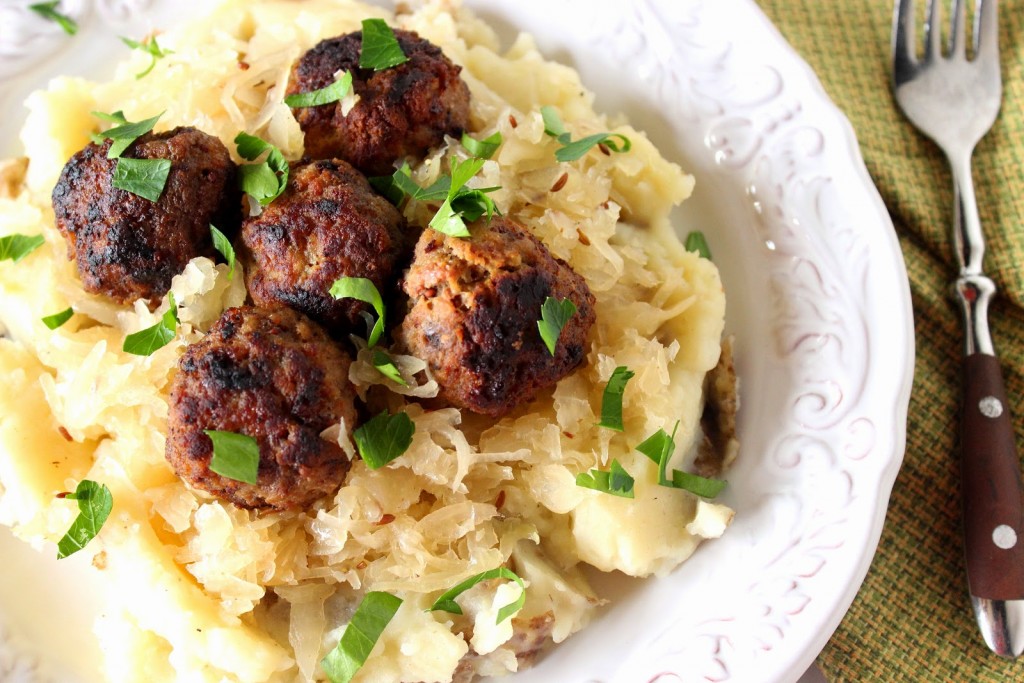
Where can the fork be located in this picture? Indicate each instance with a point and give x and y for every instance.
(954, 101)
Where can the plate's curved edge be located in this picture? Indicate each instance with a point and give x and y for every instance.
(904, 337)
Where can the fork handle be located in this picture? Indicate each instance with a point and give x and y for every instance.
(993, 500)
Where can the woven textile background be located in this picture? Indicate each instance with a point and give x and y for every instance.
(912, 620)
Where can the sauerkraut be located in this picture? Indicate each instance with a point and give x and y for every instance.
(210, 592)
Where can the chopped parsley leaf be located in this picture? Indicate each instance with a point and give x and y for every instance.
(145, 342)
(570, 150)
(364, 290)
(616, 481)
(152, 48)
(611, 401)
(235, 456)
(695, 242)
(16, 247)
(482, 149)
(386, 367)
(446, 602)
(143, 177)
(48, 10)
(57, 319)
(223, 245)
(375, 612)
(266, 180)
(329, 94)
(94, 505)
(380, 49)
(383, 438)
(554, 314)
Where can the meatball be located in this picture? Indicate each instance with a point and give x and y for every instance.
(402, 111)
(328, 224)
(126, 246)
(273, 375)
(473, 312)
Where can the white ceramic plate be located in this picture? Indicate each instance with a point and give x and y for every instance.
(818, 300)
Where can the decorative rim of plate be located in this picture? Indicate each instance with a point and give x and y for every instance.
(749, 115)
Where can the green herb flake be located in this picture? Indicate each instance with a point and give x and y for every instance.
(659, 448)
(145, 342)
(94, 505)
(701, 486)
(235, 456)
(446, 602)
(266, 180)
(695, 242)
(380, 49)
(399, 185)
(386, 367)
(364, 290)
(611, 401)
(16, 247)
(571, 151)
(48, 10)
(375, 612)
(383, 438)
(143, 177)
(554, 314)
(223, 245)
(462, 204)
(482, 149)
(123, 134)
(151, 47)
(329, 94)
(616, 481)
(57, 319)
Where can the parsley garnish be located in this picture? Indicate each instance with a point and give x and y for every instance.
(124, 134)
(383, 438)
(48, 10)
(57, 319)
(386, 367)
(616, 481)
(571, 151)
(482, 149)
(611, 401)
(94, 505)
(264, 181)
(334, 92)
(222, 244)
(446, 602)
(374, 613)
(364, 290)
(659, 448)
(145, 342)
(380, 49)
(554, 314)
(143, 177)
(463, 204)
(16, 247)
(695, 242)
(235, 456)
(149, 46)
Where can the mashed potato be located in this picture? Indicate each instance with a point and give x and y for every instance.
(210, 592)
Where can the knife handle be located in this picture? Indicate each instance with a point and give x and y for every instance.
(993, 502)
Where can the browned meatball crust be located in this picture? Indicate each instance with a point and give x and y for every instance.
(273, 375)
(402, 111)
(128, 247)
(474, 307)
(328, 224)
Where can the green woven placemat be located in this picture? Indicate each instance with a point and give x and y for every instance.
(912, 620)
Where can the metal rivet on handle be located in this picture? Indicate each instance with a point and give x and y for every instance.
(1004, 536)
(990, 406)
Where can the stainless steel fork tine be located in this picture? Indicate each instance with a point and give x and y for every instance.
(958, 34)
(986, 31)
(903, 47)
(933, 30)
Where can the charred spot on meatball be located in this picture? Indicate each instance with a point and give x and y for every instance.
(275, 376)
(328, 224)
(473, 312)
(402, 111)
(127, 247)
